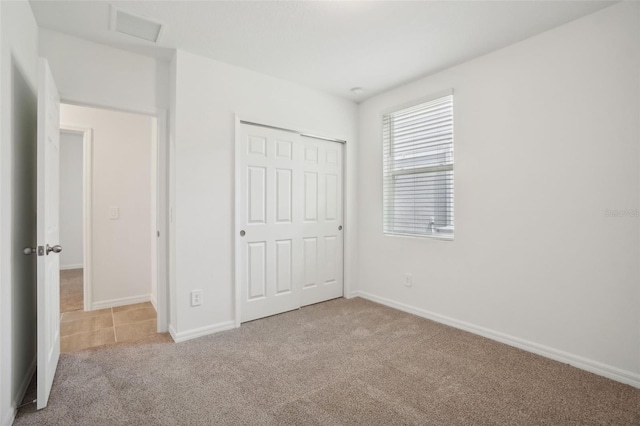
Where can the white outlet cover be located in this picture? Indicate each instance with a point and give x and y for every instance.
(196, 298)
(114, 212)
(408, 280)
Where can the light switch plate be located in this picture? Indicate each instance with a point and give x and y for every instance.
(114, 212)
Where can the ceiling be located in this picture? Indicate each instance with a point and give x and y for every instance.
(332, 46)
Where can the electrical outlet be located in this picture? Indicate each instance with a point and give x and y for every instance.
(114, 212)
(408, 279)
(196, 297)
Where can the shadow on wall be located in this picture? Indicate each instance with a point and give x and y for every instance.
(24, 121)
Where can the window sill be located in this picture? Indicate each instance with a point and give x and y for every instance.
(443, 237)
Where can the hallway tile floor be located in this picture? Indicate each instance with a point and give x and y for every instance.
(80, 330)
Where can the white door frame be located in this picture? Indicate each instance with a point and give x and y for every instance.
(164, 244)
(87, 225)
(237, 190)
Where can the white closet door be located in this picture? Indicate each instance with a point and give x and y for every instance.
(290, 208)
(269, 252)
(322, 242)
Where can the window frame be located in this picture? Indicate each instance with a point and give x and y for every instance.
(417, 170)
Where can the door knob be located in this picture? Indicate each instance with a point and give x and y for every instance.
(29, 250)
(242, 233)
(340, 228)
(55, 249)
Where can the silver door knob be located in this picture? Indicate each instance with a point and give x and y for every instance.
(55, 249)
(242, 233)
(29, 250)
(340, 228)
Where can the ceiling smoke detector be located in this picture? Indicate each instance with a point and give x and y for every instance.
(135, 25)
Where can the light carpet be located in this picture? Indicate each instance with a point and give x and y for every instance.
(343, 362)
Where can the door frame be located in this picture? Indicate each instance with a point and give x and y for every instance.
(164, 245)
(235, 229)
(87, 224)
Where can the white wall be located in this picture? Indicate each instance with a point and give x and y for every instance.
(18, 117)
(546, 139)
(99, 75)
(71, 186)
(121, 177)
(207, 94)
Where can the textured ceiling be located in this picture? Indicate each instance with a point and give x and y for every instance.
(331, 46)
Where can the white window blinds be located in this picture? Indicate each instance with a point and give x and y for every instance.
(418, 169)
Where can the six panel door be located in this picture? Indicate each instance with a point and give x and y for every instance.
(322, 244)
(48, 263)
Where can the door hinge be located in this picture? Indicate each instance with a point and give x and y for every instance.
(158, 233)
(40, 250)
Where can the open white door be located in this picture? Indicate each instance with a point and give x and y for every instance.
(48, 231)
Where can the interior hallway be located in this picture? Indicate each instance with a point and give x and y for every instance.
(81, 330)
(71, 290)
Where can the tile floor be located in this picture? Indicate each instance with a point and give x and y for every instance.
(81, 330)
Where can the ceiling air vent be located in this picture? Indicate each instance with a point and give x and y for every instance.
(135, 25)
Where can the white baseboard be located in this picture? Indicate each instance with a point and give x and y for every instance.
(66, 267)
(154, 302)
(172, 333)
(22, 390)
(120, 302)
(202, 331)
(595, 367)
(351, 295)
(9, 417)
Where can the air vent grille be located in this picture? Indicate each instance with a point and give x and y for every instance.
(136, 26)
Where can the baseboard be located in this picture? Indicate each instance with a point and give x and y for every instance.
(154, 302)
(9, 417)
(120, 302)
(66, 267)
(183, 336)
(595, 367)
(22, 390)
(172, 333)
(352, 295)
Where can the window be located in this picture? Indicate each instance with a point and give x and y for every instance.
(418, 169)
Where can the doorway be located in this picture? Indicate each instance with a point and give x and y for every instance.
(72, 258)
(108, 223)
